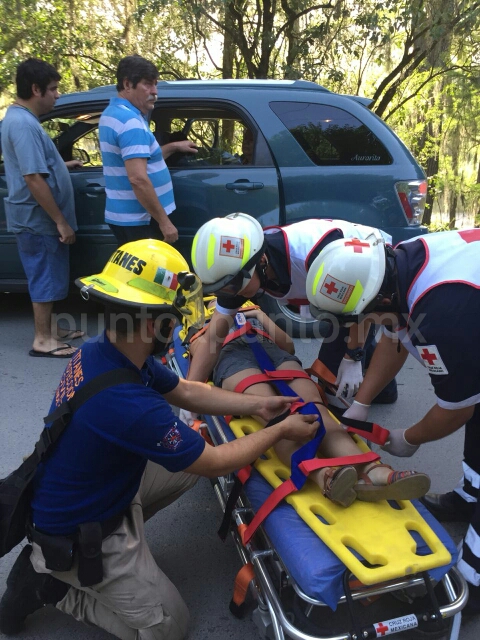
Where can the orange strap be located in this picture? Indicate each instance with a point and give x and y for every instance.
(198, 334)
(319, 370)
(201, 428)
(270, 376)
(242, 581)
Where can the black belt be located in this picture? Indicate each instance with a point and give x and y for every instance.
(58, 551)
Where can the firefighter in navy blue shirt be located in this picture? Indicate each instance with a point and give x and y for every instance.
(428, 291)
(125, 455)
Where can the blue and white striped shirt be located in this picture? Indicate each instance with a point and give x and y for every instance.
(124, 134)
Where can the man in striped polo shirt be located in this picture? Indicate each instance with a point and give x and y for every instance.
(137, 181)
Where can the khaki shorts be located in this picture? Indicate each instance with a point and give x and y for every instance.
(135, 600)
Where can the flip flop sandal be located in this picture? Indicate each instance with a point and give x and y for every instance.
(72, 334)
(338, 484)
(401, 485)
(54, 353)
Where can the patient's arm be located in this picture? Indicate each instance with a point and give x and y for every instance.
(281, 339)
(208, 347)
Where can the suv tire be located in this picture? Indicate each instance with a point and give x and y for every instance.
(288, 318)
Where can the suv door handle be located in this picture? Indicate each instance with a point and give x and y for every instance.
(243, 185)
(94, 188)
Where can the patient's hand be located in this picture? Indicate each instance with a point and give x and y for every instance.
(254, 313)
(274, 406)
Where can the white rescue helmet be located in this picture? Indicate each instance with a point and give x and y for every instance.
(346, 276)
(225, 252)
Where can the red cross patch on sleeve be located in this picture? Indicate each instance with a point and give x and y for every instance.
(431, 359)
(336, 289)
(231, 247)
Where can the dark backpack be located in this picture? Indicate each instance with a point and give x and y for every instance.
(16, 488)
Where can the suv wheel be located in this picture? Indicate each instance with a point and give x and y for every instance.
(288, 318)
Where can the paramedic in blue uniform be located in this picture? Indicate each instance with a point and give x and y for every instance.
(236, 259)
(428, 290)
(125, 455)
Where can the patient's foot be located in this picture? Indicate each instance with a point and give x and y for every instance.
(338, 483)
(380, 482)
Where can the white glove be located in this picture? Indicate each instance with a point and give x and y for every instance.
(357, 411)
(398, 445)
(349, 378)
(188, 417)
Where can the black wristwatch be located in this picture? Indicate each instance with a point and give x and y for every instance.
(355, 354)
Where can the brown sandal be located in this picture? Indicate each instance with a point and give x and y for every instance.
(338, 484)
(401, 485)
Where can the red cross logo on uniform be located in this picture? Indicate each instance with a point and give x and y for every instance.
(331, 288)
(228, 246)
(429, 357)
(357, 245)
(381, 629)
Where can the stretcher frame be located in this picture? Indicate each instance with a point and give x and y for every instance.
(272, 579)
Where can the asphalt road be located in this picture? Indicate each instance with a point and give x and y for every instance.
(183, 537)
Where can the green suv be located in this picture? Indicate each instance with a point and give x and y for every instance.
(281, 151)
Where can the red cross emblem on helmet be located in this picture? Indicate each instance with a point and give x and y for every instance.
(231, 247)
(356, 244)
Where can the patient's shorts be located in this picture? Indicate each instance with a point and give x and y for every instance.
(237, 356)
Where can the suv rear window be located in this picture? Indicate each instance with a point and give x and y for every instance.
(331, 136)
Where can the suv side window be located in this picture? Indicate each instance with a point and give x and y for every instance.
(222, 137)
(76, 138)
(331, 136)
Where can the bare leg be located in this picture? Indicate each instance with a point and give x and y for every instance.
(336, 443)
(44, 340)
(285, 448)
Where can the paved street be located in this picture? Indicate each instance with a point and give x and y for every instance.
(183, 538)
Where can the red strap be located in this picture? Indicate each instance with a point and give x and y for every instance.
(244, 474)
(295, 406)
(281, 492)
(307, 466)
(378, 435)
(247, 327)
(268, 376)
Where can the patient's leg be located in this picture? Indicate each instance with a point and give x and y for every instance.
(377, 482)
(337, 442)
(336, 484)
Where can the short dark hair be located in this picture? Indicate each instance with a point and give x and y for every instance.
(34, 71)
(135, 68)
(126, 320)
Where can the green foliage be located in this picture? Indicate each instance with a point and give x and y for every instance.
(433, 227)
(417, 60)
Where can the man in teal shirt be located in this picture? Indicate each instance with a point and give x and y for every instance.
(40, 207)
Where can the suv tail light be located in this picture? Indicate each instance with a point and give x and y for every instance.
(412, 195)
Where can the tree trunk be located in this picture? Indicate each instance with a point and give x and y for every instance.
(228, 47)
(453, 211)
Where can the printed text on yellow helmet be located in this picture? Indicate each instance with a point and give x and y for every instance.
(147, 273)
